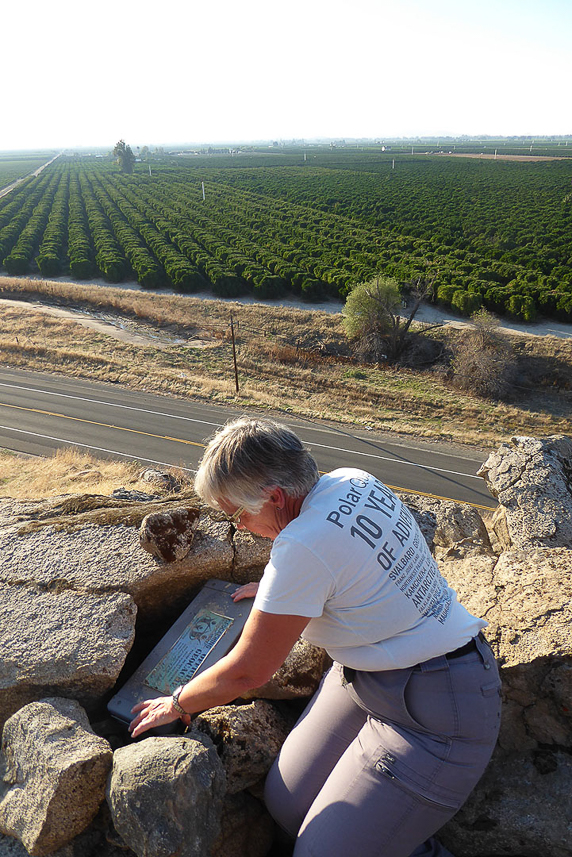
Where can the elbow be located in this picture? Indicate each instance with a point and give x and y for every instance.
(260, 680)
(254, 679)
(249, 677)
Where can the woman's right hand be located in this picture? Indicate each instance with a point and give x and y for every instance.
(249, 590)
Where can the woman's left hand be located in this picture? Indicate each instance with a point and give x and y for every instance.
(249, 590)
(152, 713)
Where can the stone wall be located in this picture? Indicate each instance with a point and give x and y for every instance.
(79, 596)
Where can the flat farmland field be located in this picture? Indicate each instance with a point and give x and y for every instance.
(482, 231)
(16, 165)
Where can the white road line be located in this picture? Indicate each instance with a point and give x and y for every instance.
(397, 461)
(97, 448)
(109, 404)
(341, 449)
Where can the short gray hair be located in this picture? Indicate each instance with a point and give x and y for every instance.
(247, 456)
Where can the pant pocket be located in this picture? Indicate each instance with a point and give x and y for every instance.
(411, 782)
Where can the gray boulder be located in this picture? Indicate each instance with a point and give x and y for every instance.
(166, 795)
(455, 526)
(532, 480)
(57, 640)
(251, 553)
(163, 480)
(47, 545)
(521, 807)
(526, 596)
(247, 828)
(248, 739)
(54, 774)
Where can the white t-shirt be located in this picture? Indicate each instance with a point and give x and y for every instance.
(354, 560)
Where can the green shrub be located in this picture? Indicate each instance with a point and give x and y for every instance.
(466, 303)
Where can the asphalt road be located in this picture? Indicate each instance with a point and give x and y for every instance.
(40, 413)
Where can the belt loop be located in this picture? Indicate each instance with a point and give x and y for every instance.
(348, 675)
(484, 650)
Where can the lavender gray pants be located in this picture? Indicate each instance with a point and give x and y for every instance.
(376, 765)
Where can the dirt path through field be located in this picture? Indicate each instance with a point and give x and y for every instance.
(139, 334)
(498, 157)
(132, 332)
(9, 187)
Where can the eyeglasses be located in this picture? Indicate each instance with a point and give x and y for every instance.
(235, 517)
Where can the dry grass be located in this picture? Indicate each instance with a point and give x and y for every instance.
(188, 316)
(292, 360)
(67, 472)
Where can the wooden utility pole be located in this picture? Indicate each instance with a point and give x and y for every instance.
(234, 353)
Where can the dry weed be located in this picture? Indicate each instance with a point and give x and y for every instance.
(280, 361)
(68, 471)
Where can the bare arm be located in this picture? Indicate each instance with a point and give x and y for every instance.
(264, 644)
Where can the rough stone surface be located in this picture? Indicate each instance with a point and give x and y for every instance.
(100, 839)
(532, 480)
(521, 807)
(168, 536)
(247, 737)
(526, 596)
(55, 772)
(134, 496)
(499, 532)
(299, 675)
(94, 558)
(166, 481)
(166, 794)
(461, 528)
(444, 524)
(424, 510)
(247, 828)
(251, 552)
(61, 642)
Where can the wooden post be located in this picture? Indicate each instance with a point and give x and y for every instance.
(234, 353)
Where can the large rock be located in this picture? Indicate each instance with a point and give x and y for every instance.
(526, 596)
(55, 772)
(248, 739)
(521, 807)
(59, 641)
(48, 546)
(251, 553)
(168, 536)
(247, 828)
(166, 795)
(532, 480)
(445, 524)
(299, 675)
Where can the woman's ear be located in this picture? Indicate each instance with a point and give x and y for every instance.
(277, 497)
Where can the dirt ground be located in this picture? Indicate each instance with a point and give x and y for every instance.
(137, 333)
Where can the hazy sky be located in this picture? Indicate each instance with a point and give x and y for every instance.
(79, 73)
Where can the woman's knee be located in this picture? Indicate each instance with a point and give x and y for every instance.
(286, 807)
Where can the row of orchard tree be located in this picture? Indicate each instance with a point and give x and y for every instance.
(243, 233)
(495, 233)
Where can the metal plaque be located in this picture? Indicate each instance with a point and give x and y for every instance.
(186, 656)
(204, 633)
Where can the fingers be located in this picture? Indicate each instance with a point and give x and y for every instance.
(151, 713)
(249, 590)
